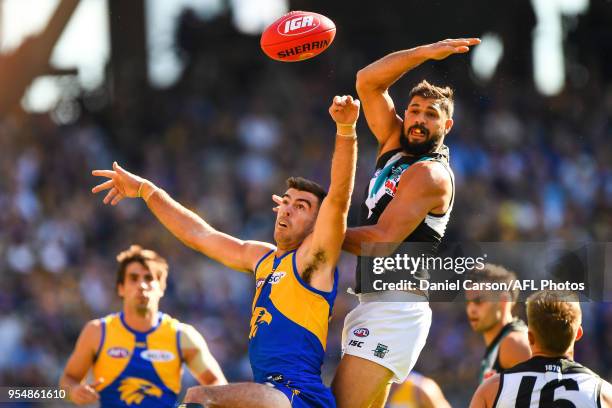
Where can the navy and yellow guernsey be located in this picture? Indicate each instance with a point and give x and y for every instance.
(140, 369)
(288, 331)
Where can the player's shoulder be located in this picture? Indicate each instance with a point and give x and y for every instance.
(189, 332)
(515, 339)
(258, 251)
(94, 325)
(91, 333)
(185, 328)
(430, 173)
(514, 349)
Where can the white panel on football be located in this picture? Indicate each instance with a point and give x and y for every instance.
(252, 17)
(487, 55)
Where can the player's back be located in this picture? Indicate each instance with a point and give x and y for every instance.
(548, 382)
(140, 369)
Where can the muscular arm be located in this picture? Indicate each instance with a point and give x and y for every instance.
(201, 363)
(79, 363)
(424, 187)
(321, 250)
(197, 234)
(184, 224)
(373, 83)
(484, 397)
(514, 349)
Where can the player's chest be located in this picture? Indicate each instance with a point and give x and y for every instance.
(386, 180)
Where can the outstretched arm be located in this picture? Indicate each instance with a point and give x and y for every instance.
(184, 224)
(321, 250)
(373, 82)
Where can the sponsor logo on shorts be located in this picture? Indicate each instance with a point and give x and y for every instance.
(381, 350)
(157, 355)
(356, 343)
(361, 332)
(118, 352)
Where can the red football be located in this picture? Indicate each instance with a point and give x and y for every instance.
(298, 35)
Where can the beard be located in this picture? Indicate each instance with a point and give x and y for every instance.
(419, 148)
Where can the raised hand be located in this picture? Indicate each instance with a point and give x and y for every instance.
(121, 184)
(443, 49)
(344, 110)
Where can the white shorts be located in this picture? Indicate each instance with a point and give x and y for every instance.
(389, 333)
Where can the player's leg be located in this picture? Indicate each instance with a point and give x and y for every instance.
(359, 382)
(381, 343)
(381, 399)
(247, 395)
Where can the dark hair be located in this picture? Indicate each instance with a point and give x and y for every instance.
(495, 274)
(302, 184)
(554, 318)
(147, 258)
(426, 90)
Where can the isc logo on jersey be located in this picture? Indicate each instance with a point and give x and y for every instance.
(298, 25)
(157, 355)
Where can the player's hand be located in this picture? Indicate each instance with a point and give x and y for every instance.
(122, 184)
(443, 49)
(278, 200)
(344, 110)
(85, 393)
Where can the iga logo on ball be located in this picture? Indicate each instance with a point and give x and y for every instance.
(297, 36)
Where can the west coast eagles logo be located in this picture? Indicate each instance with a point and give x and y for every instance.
(260, 315)
(133, 390)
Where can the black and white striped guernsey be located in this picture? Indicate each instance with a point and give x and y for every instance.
(381, 190)
(545, 382)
